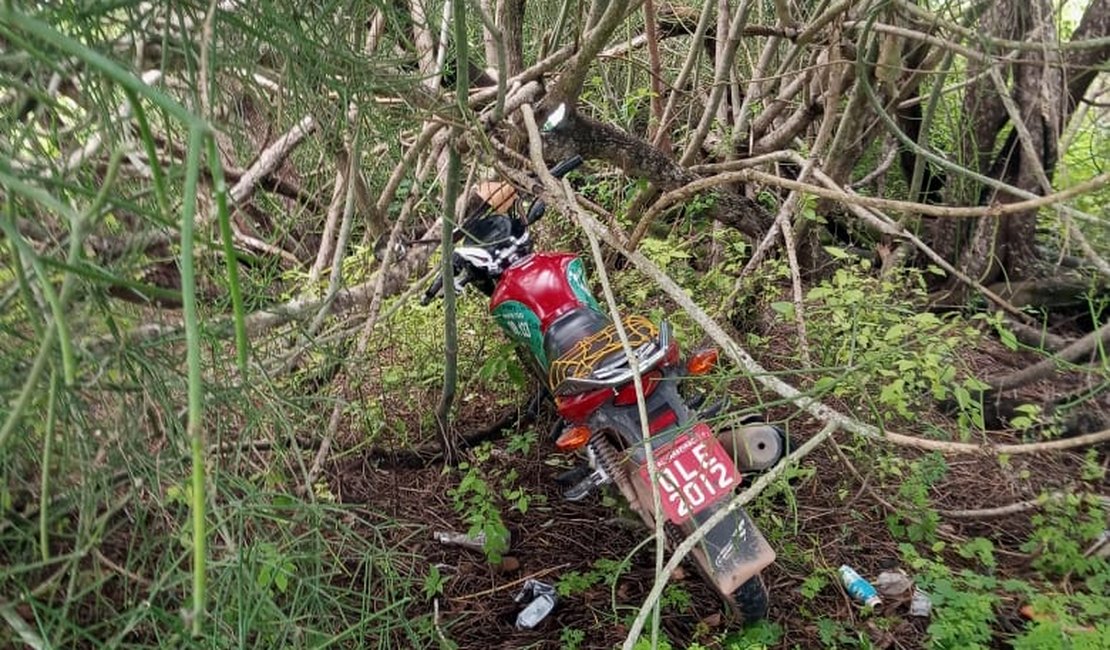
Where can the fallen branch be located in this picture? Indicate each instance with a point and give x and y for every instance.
(906, 207)
(1072, 353)
(1014, 508)
(942, 446)
(270, 158)
(260, 321)
(1038, 337)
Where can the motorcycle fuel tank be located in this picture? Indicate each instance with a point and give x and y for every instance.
(535, 291)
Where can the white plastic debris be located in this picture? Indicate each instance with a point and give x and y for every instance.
(893, 583)
(472, 542)
(921, 605)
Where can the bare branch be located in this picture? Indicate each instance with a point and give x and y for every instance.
(270, 158)
(1098, 339)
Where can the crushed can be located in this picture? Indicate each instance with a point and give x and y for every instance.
(859, 589)
(540, 598)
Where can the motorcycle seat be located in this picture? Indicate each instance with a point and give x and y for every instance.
(570, 328)
(589, 359)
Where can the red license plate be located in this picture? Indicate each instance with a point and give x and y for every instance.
(694, 472)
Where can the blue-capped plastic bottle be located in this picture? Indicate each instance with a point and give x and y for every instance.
(858, 588)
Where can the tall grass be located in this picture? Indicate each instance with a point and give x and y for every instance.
(149, 490)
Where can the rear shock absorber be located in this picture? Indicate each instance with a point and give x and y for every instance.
(609, 459)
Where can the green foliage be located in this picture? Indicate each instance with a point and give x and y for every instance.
(676, 599)
(898, 359)
(757, 636)
(966, 603)
(962, 618)
(604, 571)
(501, 364)
(522, 443)
(475, 500)
(644, 643)
(916, 519)
(813, 584)
(433, 582)
(571, 638)
(1062, 531)
(834, 635)
(275, 569)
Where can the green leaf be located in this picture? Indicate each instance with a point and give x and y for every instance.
(784, 308)
(1008, 338)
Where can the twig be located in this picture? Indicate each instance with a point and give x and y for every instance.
(721, 68)
(1062, 444)
(270, 158)
(864, 485)
(796, 288)
(651, 30)
(96, 140)
(695, 48)
(882, 168)
(569, 84)
(909, 207)
(510, 585)
(1013, 508)
(335, 209)
(103, 559)
(259, 245)
(336, 278)
(1083, 346)
(203, 76)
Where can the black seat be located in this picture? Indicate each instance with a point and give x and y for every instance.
(570, 328)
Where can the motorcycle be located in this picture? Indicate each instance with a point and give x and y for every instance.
(542, 302)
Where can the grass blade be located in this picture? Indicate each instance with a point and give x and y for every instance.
(224, 217)
(194, 428)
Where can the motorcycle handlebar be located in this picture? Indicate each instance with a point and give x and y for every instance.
(535, 211)
(538, 207)
(433, 290)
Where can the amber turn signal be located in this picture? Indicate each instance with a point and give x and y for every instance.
(702, 362)
(573, 438)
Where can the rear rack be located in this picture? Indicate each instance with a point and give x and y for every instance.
(598, 361)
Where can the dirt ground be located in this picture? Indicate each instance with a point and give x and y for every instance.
(554, 538)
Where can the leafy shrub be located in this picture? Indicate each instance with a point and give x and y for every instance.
(893, 356)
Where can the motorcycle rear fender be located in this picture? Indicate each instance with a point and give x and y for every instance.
(730, 553)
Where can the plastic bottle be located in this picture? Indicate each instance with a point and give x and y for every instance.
(858, 588)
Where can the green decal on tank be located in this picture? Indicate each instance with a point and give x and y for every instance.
(522, 326)
(576, 278)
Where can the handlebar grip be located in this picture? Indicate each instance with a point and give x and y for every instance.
(433, 290)
(535, 211)
(538, 207)
(567, 166)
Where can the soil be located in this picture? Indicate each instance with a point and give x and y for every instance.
(554, 538)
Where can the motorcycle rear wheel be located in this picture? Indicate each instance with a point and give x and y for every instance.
(752, 599)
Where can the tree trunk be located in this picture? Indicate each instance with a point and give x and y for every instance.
(510, 16)
(990, 247)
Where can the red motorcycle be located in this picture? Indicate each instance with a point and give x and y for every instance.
(542, 301)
